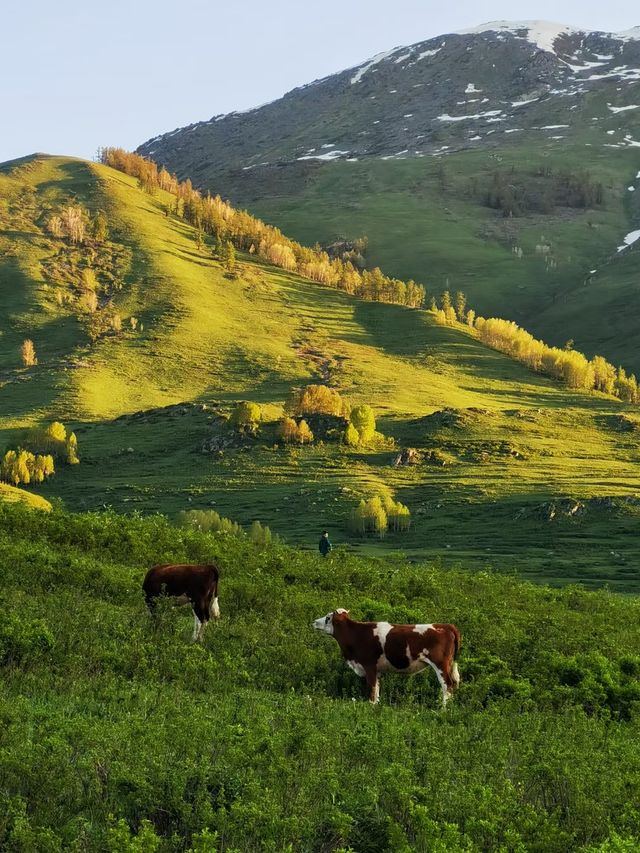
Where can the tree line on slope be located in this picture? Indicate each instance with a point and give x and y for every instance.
(218, 218)
(568, 365)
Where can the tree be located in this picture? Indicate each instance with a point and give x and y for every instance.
(28, 353)
(100, 227)
(305, 436)
(72, 449)
(461, 304)
(260, 534)
(230, 256)
(318, 400)
(246, 416)
(287, 430)
(351, 436)
(445, 301)
(364, 421)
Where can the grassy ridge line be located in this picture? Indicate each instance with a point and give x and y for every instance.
(253, 738)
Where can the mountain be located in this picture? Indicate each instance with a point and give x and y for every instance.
(502, 160)
(512, 468)
(458, 91)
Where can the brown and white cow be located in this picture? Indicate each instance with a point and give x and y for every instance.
(197, 584)
(371, 648)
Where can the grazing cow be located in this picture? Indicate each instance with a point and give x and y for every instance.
(187, 583)
(370, 648)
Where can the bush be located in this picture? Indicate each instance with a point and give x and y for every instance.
(208, 521)
(246, 416)
(290, 432)
(363, 420)
(317, 400)
(28, 353)
(21, 467)
(376, 515)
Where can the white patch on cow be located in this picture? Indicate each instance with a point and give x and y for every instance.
(325, 623)
(455, 674)
(215, 608)
(381, 630)
(356, 667)
(422, 629)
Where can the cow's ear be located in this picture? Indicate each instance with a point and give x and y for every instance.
(341, 613)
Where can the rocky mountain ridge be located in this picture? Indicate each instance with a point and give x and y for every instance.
(462, 90)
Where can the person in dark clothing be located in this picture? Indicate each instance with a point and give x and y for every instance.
(324, 546)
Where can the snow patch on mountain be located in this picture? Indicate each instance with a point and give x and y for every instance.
(631, 238)
(541, 33)
(361, 70)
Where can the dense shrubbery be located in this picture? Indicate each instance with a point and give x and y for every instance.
(246, 416)
(218, 218)
(55, 440)
(569, 366)
(117, 734)
(20, 467)
(542, 190)
(318, 400)
(209, 521)
(290, 432)
(378, 515)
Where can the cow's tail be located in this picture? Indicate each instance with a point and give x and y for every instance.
(455, 673)
(457, 641)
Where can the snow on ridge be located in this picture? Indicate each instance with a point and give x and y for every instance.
(361, 70)
(471, 89)
(545, 33)
(541, 33)
(426, 53)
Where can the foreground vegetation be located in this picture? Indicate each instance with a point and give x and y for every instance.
(117, 736)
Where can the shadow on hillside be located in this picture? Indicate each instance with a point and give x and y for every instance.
(78, 180)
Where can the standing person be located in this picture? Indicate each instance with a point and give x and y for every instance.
(324, 546)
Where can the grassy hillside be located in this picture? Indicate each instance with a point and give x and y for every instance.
(518, 472)
(120, 736)
(427, 219)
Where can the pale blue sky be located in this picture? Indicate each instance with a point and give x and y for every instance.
(78, 74)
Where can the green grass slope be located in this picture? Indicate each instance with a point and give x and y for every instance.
(427, 219)
(538, 479)
(119, 735)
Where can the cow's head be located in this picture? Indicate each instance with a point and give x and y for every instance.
(325, 623)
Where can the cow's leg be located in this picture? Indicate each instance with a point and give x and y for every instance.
(197, 626)
(214, 610)
(201, 617)
(373, 683)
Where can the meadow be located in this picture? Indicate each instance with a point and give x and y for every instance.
(525, 475)
(119, 735)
